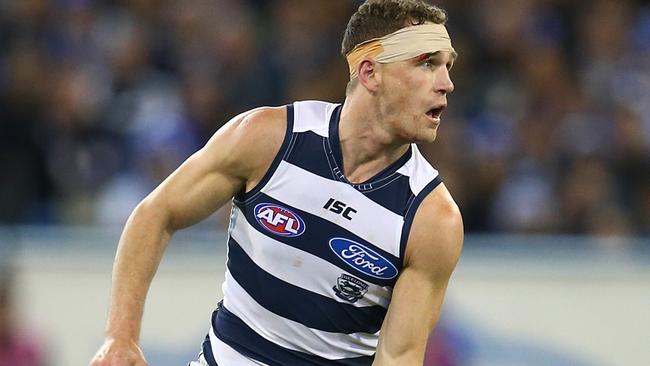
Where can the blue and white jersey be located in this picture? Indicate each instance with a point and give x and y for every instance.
(313, 258)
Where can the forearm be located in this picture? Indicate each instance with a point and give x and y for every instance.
(405, 347)
(411, 317)
(139, 252)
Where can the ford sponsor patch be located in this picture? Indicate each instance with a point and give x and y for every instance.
(363, 259)
(279, 220)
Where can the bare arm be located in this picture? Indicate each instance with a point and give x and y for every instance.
(235, 158)
(432, 252)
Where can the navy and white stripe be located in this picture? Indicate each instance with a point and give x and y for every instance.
(306, 285)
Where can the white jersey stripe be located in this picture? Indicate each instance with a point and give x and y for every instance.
(292, 335)
(280, 260)
(225, 355)
(372, 222)
(418, 170)
(311, 119)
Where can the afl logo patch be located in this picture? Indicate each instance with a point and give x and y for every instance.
(363, 259)
(279, 220)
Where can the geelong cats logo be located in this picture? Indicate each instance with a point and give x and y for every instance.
(279, 220)
(363, 259)
(350, 288)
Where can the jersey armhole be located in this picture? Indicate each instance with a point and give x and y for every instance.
(410, 214)
(242, 196)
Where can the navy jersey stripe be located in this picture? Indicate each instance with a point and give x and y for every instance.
(393, 196)
(412, 209)
(308, 152)
(300, 305)
(207, 351)
(242, 196)
(315, 239)
(234, 332)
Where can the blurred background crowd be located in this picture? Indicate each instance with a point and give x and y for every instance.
(548, 130)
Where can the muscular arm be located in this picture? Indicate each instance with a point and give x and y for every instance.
(433, 249)
(235, 158)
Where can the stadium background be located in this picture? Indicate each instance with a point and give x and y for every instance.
(545, 146)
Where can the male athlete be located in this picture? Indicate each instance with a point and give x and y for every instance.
(342, 238)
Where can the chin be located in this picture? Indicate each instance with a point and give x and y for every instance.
(426, 138)
(422, 134)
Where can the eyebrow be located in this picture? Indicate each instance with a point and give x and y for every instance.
(430, 55)
(454, 55)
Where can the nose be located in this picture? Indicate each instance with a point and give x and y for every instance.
(444, 85)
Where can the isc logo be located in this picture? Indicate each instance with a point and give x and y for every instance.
(279, 220)
(340, 208)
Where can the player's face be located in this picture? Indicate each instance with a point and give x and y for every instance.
(413, 95)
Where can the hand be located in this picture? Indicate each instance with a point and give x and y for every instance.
(115, 352)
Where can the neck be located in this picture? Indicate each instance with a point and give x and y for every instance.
(367, 143)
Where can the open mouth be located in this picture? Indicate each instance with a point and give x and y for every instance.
(435, 113)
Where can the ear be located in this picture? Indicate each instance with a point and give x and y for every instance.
(368, 75)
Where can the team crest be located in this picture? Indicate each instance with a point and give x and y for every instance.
(350, 288)
(279, 220)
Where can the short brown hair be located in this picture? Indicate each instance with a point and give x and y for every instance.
(377, 18)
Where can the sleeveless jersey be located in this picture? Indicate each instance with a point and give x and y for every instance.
(313, 258)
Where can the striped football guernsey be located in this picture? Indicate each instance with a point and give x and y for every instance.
(313, 258)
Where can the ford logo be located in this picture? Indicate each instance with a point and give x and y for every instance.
(279, 220)
(363, 259)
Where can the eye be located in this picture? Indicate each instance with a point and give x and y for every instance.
(431, 64)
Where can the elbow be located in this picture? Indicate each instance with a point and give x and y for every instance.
(398, 360)
(153, 215)
(413, 356)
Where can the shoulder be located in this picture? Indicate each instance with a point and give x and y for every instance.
(248, 143)
(436, 236)
(258, 128)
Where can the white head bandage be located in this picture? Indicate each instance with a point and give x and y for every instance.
(401, 45)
